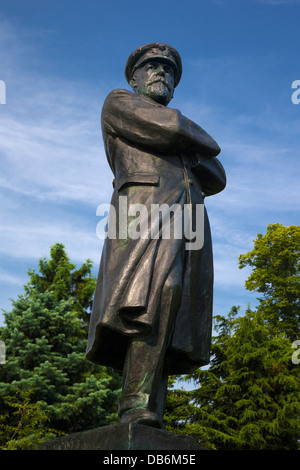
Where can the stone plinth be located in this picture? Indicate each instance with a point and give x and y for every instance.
(123, 437)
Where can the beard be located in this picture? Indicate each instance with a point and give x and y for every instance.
(159, 92)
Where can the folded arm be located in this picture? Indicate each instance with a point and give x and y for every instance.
(210, 172)
(143, 122)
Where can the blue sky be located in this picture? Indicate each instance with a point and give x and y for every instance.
(59, 60)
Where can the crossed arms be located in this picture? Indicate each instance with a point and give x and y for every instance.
(141, 121)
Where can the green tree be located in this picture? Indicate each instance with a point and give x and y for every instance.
(29, 430)
(61, 277)
(275, 260)
(45, 335)
(249, 396)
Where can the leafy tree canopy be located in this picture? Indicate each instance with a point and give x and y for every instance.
(249, 396)
(61, 277)
(275, 260)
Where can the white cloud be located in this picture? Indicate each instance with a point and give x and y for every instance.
(52, 157)
(10, 278)
(32, 241)
(50, 135)
(257, 130)
(53, 166)
(53, 151)
(45, 163)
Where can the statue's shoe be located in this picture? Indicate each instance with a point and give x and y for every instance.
(141, 416)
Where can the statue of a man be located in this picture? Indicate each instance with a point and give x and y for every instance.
(152, 311)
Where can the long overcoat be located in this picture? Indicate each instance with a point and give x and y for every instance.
(157, 156)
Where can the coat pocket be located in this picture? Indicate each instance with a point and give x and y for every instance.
(149, 179)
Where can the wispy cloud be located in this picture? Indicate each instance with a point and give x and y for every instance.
(34, 240)
(50, 141)
(50, 136)
(61, 163)
(53, 167)
(10, 278)
(54, 172)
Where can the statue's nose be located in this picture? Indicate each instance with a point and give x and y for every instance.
(160, 70)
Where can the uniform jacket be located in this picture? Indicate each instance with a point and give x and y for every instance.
(157, 156)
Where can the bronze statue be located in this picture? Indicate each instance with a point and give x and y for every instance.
(152, 311)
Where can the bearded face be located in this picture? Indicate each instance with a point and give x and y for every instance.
(154, 79)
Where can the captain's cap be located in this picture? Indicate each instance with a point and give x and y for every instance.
(158, 51)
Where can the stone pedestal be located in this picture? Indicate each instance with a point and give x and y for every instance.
(123, 437)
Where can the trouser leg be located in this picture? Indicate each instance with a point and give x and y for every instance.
(162, 393)
(145, 373)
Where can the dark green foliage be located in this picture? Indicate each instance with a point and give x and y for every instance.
(29, 428)
(45, 336)
(249, 396)
(61, 277)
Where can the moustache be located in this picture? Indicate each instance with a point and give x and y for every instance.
(159, 80)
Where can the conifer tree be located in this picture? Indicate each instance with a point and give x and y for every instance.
(45, 335)
(249, 396)
(28, 429)
(61, 277)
